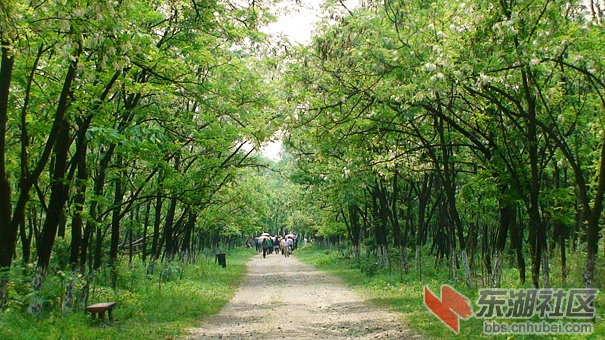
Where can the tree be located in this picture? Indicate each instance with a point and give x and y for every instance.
(470, 90)
(109, 97)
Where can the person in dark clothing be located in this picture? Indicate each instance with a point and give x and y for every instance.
(267, 245)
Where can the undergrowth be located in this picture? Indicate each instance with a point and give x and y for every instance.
(391, 289)
(159, 306)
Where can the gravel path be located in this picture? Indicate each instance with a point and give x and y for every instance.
(283, 298)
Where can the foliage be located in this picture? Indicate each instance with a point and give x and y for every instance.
(147, 307)
(127, 132)
(462, 133)
(457, 124)
(404, 294)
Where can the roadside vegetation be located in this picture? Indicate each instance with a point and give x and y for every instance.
(403, 292)
(159, 306)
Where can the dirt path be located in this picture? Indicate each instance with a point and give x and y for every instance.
(285, 298)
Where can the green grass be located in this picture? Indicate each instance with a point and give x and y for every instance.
(147, 307)
(404, 294)
(150, 308)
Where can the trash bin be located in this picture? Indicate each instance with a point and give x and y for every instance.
(221, 260)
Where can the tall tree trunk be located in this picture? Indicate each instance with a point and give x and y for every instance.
(516, 243)
(58, 198)
(559, 228)
(85, 245)
(593, 224)
(155, 242)
(399, 241)
(115, 227)
(94, 224)
(134, 218)
(77, 221)
(448, 177)
(145, 226)
(381, 220)
(563, 251)
(59, 191)
(486, 254)
(186, 246)
(8, 230)
(169, 241)
(423, 200)
(506, 214)
(169, 225)
(98, 249)
(537, 232)
(354, 228)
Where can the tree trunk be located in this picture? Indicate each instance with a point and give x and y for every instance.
(537, 233)
(186, 246)
(76, 223)
(545, 268)
(380, 211)
(59, 191)
(85, 245)
(134, 217)
(145, 225)
(98, 249)
(593, 225)
(58, 198)
(94, 224)
(399, 241)
(516, 243)
(155, 246)
(169, 241)
(115, 228)
(486, 253)
(421, 230)
(35, 306)
(8, 230)
(354, 228)
(27, 233)
(506, 214)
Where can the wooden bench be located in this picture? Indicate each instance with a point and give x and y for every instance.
(98, 309)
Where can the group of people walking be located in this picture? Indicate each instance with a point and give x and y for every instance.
(276, 244)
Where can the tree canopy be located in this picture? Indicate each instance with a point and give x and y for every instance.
(472, 131)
